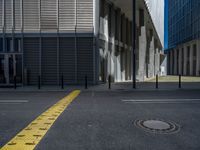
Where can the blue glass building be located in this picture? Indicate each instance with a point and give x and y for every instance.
(183, 37)
(184, 21)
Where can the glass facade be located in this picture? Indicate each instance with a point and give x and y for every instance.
(184, 21)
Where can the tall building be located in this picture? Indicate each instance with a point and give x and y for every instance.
(183, 37)
(156, 9)
(47, 40)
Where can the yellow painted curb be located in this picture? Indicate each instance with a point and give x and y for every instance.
(30, 136)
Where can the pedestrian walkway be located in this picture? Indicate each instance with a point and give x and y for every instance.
(164, 83)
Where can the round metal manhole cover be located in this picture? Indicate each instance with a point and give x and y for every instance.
(157, 126)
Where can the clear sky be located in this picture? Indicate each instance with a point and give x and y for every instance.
(166, 25)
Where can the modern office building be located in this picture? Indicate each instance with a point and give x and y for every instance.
(156, 9)
(43, 40)
(184, 37)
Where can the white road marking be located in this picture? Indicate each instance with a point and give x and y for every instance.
(13, 101)
(160, 100)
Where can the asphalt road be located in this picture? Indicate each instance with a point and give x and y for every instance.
(100, 120)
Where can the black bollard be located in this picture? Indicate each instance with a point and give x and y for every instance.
(179, 82)
(156, 81)
(109, 82)
(86, 84)
(62, 82)
(15, 82)
(39, 86)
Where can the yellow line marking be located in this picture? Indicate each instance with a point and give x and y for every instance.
(30, 136)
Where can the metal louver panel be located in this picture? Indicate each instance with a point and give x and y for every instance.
(18, 11)
(67, 59)
(49, 61)
(8, 15)
(67, 15)
(84, 15)
(31, 15)
(48, 15)
(31, 59)
(85, 59)
(1, 15)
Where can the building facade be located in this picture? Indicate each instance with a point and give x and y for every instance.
(156, 9)
(46, 40)
(183, 37)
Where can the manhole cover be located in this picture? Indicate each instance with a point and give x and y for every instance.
(157, 126)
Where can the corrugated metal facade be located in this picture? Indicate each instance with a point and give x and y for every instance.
(85, 63)
(31, 15)
(56, 36)
(48, 15)
(67, 15)
(31, 60)
(1, 16)
(67, 59)
(18, 15)
(49, 67)
(8, 15)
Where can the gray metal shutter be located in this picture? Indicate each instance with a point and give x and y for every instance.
(49, 61)
(67, 59)
(84, 15)
(18, 16)
(67, 15)
(1, 15)
(31, 15)
(85, 59)
(49, 15)
(8, 15)
(32, 59)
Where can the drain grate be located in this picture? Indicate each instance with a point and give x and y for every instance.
(157, 126)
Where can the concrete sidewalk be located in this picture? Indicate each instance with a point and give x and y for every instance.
(125, 86)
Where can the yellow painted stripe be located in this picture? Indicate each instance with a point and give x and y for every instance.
(30, 136)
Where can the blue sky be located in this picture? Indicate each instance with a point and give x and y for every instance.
(166, 25)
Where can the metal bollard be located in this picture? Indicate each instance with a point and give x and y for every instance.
(39, 86)
(109, 82)
(86, 82)
(156, 81)
(62, 82)
(179, 82)
(15, 82)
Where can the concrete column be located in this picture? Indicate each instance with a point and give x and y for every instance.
(191, 59)
(185, 61)
(112, 41)
(198, 59)
(180, 61)
(175, 62)
(118, 67)
(157, 62)
(171, 62)
(123, 65)
(151, 59)
(142, 54)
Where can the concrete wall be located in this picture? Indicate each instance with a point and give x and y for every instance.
(185, 59)
(115, 44)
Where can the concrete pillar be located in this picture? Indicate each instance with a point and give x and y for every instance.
(142, 54)
(191, 59)
(185, 61)
(123, 65)
(180, 61)
(112, 37)
(175, 62)
(151, 59)
(157, 62)
(198, 59)
(171, 62)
